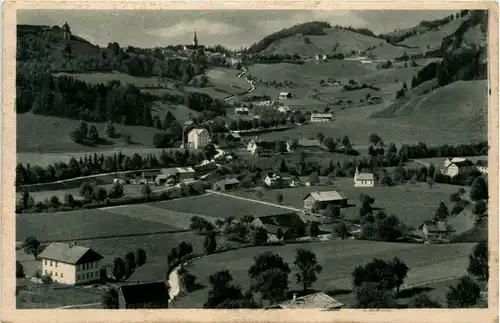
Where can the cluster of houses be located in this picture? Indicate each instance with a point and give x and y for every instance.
(458, 165)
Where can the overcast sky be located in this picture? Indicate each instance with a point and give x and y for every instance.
(227, 27)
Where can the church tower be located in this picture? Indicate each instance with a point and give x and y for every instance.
(195, 40)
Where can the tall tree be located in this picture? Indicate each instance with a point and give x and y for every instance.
(222, 291)
(400, 271)
(119, 268)
(210, 244)
(478, 261)
(31, 246)
(442, 212)
(370, 295)
(140, 256)
(307, 268)
(130, 263)
(479, 189)
(269, 276)
(464, 294)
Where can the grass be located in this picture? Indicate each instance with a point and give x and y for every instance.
(180, 112)
(38, 296)
(84, 224)
(411, 203)
(439, 161)
(426, 262)
(220, 206)
(37, 133)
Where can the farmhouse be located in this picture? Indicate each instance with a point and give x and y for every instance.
(226, 184)
(254, 144)
(70, 264)
(434, 229)
(363, 179)
(321, 117)
(286, 223)
(232, 137)
(149, 176)
(182, 173)
(482, 166)
(323, 199)
(198, 138)
(284, 109)
(143, 295)
(285, 95)
(318, 300)
(459, 167)
(448, 161)
(241, 111)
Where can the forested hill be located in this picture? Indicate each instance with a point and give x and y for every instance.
(308, 28)
(78, 55)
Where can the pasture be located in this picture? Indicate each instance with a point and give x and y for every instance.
(411, 203)
(37, 133)
(427, 263)
(222, 82)
(219, 206)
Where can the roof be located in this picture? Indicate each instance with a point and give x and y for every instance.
(189, 122)
(227, 181)
(306, 142)
(457, 159)
(233, 134)
(317, 300)
(482, 163)
(435, 226)
(197, 131)
(69, 253)
(284, 220)
(463, 163)
(178, 170)
(151, 172)
(145, 292)
(241, 109)
(321, 115)
(284, 93)
(326, 196)
(365, 176)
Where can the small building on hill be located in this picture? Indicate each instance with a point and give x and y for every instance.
(256, 146)
(143, 295)
(458, 167)
(57, 33)
(285, 95)
(198, 138)
(241, 111)
(482, 166)
(288, 223)
(321, 117)
(320, 301)
(322, 199)
(363, 179)
(449, 161)
(68, 263)
(434, 229)
(232, 137)
(177, 173)
(226, 184)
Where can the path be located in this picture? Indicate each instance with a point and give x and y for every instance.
(256, 201)
(79, 305)
(250, 82)
(421, 162)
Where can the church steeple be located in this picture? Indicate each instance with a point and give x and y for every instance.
(195, 40)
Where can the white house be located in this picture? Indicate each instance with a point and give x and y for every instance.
(457, 167)
(284, 109)
(253, 144)
(70, 264)
(242, 110)
(363, 179)
(285, 95)
(198, 138)
(321, 117)
(448, 161)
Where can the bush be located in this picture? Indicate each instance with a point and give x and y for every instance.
(464, 294)
(19, 270)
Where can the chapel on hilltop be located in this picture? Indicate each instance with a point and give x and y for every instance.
(58, 33)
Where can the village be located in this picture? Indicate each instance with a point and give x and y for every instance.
(306, 171)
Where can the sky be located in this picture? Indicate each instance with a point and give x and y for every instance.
(231, 28)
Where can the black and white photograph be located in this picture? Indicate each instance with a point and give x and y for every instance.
(252, 159)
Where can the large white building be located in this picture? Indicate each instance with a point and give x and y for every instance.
(198, 138)
(363, 179)
(70, 264)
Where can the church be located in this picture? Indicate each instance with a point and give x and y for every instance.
(58, 33)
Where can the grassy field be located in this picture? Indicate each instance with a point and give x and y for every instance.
(426, 262)
(85, 224)
(37, 296)
(439, 161)
(411, 203)
(180, 112)
(220, 206)
(36, 133)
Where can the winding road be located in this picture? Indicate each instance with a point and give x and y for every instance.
(250, 82)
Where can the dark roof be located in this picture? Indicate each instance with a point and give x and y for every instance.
(227, 181)
(317, 300)
(464, 163)
(435, 226)
(285, 220)
(145, 292)
(483, 163)
(69, 253)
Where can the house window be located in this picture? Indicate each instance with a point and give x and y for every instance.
(56, 264)
(56, 273)
(46, 272)
(45, 262)
(51, 263)
(61, 275)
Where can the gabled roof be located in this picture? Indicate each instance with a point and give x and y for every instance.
(69, 253)
(197, 131)
(233, 134)
(326, 196)
(321, 115)
(435, 226)
(317, 300)
(284, 93)
(463, 163)
(227, 181)
(145, 293)
(365, 176)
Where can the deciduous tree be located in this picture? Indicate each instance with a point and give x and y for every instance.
(307, 268)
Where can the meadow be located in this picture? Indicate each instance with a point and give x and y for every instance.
(413, 204)
(214, 205)
(427, 263)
